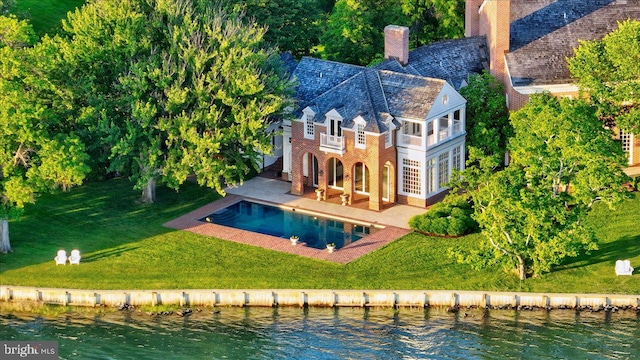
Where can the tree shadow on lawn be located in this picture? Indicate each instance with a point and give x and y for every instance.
(625, 248)
(96, 218)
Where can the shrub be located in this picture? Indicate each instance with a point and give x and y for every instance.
(446, 218)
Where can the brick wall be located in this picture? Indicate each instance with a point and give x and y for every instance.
(375, 155)
(396, 43)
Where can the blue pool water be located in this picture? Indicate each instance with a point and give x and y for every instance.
(315, 231)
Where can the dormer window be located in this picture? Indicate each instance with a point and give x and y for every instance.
(309, 126)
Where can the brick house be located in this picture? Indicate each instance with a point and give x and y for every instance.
(386, 134)
(529, 41)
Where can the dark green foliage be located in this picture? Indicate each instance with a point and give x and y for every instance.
(487, 121)
(446, 218)
(608, 71)
(292, 25)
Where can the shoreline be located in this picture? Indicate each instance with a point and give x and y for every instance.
(450, 299)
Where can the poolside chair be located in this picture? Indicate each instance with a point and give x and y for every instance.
(75, 257)
(623, 267)
(61, 258)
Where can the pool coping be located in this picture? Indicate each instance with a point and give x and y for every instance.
(191, 222)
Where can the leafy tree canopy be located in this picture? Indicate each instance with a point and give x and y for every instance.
(532, 212)
(176, 87)
(609, 71)
(433, 20)
(292, 25)
(487, 116)
(38, 151)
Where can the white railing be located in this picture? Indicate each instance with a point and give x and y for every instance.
(443, 134)
(411, 140)
(457, 127)
(331, 141)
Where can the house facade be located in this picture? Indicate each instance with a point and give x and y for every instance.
(529, 41)
(392, 133)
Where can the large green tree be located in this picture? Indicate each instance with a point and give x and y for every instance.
(531, 213)
(433, 20)
(487, 116)
(609, 71)
(292, 25)
(38, 151)
(188, 89)
(354, 32)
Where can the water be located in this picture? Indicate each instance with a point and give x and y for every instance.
(344, 333)
(313, 230)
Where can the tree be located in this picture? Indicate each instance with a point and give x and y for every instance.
(487, 116)
(37, 150)
(292, 25)
(433, 20)
(192, 93)
(609, 71)
(531, 213)
(354, 31)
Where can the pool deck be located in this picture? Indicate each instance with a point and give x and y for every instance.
(394, 220)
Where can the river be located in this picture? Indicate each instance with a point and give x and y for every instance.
(340, 333)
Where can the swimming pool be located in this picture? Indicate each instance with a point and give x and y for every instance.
(313, 230)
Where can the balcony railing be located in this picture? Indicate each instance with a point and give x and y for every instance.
(331, 143)
(432, 139)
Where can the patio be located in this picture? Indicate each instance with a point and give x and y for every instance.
(394, 220)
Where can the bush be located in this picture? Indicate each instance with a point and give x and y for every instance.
(446, 218)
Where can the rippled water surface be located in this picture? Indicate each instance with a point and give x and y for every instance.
(345, 333)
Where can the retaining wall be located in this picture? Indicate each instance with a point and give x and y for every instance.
(322, 298)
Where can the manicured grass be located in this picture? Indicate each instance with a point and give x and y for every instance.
(124, 246)
(45, 15)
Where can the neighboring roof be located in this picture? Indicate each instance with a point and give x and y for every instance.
(387, 88)
(543, 34)
(451, 60)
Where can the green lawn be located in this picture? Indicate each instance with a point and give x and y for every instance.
(124, 246)
(45, 15)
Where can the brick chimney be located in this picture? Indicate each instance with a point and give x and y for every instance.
(396, 43)
(472, 18)
(495, 22)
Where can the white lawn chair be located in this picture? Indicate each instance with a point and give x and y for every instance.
(623, 267)
(75, 257)
(61, 258)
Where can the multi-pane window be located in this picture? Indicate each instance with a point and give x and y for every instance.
(411, 177)
(456, 158)
(625, 138)
(361, 139)
(309, 127)
(443, 169)
(431, 175)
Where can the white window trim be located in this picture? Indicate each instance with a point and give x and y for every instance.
(359, 133)
(307, 120)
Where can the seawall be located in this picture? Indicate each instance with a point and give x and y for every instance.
(322, 298)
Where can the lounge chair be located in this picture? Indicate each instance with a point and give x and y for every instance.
(61, 258)
(75, 257)
(623, 267)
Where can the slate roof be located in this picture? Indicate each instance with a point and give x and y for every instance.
(387, 88)
(543, 34)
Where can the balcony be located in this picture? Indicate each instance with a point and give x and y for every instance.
(413, 138)
(332, 143)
